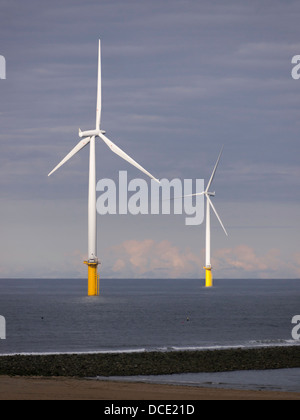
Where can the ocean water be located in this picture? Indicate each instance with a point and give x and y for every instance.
(49, 316)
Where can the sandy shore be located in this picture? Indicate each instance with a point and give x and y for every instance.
(37, 388)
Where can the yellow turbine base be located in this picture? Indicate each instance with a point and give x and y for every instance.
(93, 279)
(208, 277)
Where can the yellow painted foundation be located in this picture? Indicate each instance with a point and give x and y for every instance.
(208, 277)
(93, 279)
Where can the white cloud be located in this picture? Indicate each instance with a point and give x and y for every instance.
(150, 259)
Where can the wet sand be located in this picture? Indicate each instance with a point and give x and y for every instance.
(61, 388)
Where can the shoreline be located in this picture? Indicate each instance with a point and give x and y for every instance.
(85, 365)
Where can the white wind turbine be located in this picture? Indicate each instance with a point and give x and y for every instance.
(209, 205)
(89, 138)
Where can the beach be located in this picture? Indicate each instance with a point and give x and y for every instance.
(72, 376)
(63, 388)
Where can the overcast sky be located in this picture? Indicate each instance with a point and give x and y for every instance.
(181, 78)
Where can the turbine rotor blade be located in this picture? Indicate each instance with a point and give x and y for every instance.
(77, 148)
(214, 171)
(99, 91)
(215, 211)
(114, 148)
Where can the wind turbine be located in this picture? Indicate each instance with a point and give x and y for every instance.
(88, 137)
(209, 205)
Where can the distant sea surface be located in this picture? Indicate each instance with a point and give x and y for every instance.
(49, 316)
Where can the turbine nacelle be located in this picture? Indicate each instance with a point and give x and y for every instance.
(90, 133)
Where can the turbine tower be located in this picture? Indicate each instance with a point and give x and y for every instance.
(209, 205)
(89, 137)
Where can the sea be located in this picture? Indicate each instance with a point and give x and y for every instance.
(56, 316)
